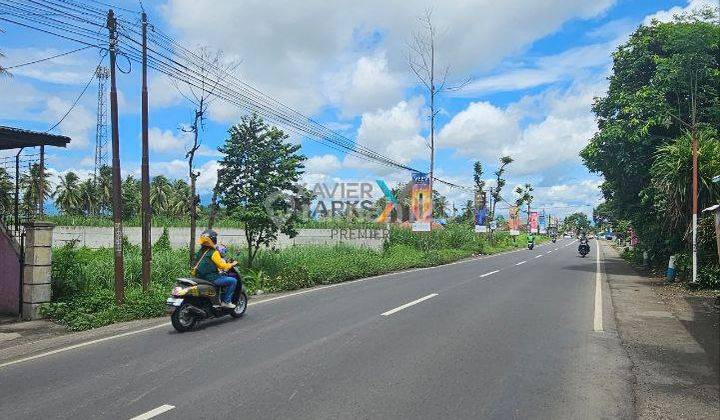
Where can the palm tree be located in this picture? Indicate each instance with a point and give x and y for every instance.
(130, 197)
(31, 183)
(89, 200)
(160, 193)
(104, 189)
(178, 200)
(68, 198)
(440, 204)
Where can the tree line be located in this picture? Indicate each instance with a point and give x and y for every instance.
(664, 90)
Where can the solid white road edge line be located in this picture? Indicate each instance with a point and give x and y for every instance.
(487, 274)
(598, 318)
(154, 412)
(409, 304)
(538, 256)
(521, 263)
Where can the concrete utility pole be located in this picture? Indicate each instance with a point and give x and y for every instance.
(116, 194)
(145, 168)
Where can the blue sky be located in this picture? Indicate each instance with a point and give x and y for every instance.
(534, 70)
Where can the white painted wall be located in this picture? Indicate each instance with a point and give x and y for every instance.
(98, 237)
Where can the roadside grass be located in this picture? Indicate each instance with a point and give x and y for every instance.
(82, 278)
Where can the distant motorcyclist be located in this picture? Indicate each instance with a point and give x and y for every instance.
(210, 265)
(584, 244)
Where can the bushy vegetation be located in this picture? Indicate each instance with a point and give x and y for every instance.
(665, 77)
(83, 278)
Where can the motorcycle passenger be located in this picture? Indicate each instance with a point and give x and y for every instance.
(210, 264)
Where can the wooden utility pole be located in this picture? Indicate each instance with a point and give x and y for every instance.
(116, 193)
(145, 168)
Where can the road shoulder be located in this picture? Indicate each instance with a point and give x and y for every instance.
(673, 374)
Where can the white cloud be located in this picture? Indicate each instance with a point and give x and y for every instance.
(165, 141)
(667, 15)
(293, 49)
(547, 70)
(368, 86)
(393, 132)
(480, 130)
(323, 164)
(564, 127)
(79, 125)
(70, 69)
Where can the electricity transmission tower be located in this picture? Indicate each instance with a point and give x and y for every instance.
(102, 74)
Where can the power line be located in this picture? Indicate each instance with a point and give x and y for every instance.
(179, 63)
(48, 58)
(92, 77)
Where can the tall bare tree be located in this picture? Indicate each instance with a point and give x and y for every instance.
(211, 69)
(422, 62)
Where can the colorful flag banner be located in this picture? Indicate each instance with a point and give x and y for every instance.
(533, 221)
(421, 201)
(513, 218)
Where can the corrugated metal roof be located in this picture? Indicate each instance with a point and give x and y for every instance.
(15, 138)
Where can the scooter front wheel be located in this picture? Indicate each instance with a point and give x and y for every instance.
(183, 319)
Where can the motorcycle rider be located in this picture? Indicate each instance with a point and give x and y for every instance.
(210, 264)
(531, 239)
(584, 242)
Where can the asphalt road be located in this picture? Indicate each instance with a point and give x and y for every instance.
(505, 336)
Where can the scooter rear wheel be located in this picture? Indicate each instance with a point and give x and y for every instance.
(183, 319)
(240, 306)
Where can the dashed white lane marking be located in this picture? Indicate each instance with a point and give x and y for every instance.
(154, 412)
(538, 256)
(409, 304)
(490, 273)
(549, 251)
(598, 318)
(521, 263)
(311, 290)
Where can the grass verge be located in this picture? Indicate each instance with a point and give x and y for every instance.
(82, 278)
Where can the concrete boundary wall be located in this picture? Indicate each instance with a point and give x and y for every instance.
(98, 237)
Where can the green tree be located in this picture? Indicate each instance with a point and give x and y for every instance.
(440, 205)
(130, 197)
(468, 215)
(268, 168)
(89, 200)
(67, 194)
(160, 195)
(6, 192)
(658, 75)
(577, 222)
(104, 190)
(31, 183)
(477, 176)
(671, 184)
(526, 197)
(499, 183)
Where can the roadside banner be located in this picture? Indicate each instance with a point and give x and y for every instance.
(533, 221)
(514, 218)
(542, 222)
(421, 202)
(481, 216)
